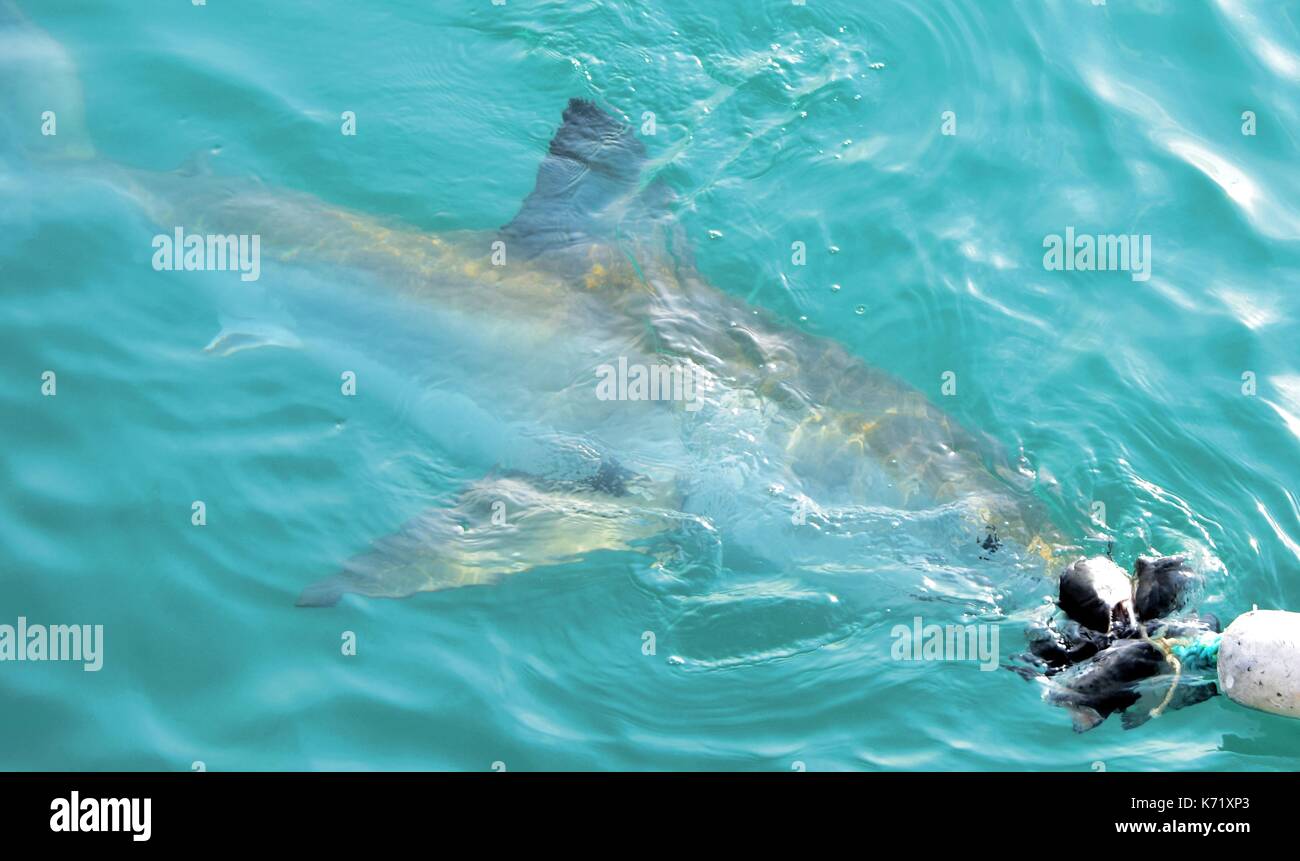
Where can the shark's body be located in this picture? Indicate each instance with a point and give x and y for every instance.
(594, 273)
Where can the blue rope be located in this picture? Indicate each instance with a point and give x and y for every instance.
(1202, 654)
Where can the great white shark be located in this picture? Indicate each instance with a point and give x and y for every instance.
(611, 398)
(591, 273)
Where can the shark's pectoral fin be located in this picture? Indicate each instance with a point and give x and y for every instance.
(236, 336)
(499, 526)
(415, 558)
(324, 593)
(253, 316)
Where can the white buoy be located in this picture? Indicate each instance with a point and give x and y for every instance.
(1259, 661)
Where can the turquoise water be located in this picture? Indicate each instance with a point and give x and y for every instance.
(775, 123)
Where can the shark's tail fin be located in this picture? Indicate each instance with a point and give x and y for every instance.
(42, 111)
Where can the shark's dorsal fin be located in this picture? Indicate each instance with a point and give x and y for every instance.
(591, 171)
